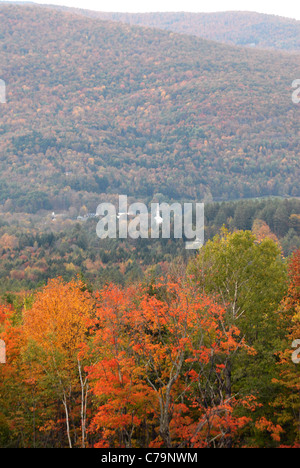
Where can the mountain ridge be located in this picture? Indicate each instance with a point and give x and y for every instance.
(96, 108)
(240, 28)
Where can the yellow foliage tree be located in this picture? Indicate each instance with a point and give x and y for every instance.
(54, 328)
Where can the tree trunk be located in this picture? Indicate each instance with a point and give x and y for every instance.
(164, 429)
(67, 419)
(228, 393)
(83, 410)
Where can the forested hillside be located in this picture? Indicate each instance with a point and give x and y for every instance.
(231, 27)
(98, 107)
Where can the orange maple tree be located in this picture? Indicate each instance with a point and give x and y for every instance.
(158, 372)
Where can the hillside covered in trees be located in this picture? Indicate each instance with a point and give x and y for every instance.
(97, 107)
(231, 27)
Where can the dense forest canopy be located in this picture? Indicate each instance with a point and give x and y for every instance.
(239, 28)
(36, 248)
(99, 107)
(200, 357)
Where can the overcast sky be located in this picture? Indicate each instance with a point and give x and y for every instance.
(289, 8)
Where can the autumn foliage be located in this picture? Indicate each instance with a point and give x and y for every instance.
(288, 402)
(129, 367)
(119, 109)
(156, 356)
(143, 366)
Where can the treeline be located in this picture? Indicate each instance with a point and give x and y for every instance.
(268, 216)
(201, 357)
(29, 255)
(232, 27)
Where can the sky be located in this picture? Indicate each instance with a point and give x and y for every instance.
(288, 8)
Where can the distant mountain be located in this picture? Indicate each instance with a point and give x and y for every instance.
(98, 107)
(236, 28)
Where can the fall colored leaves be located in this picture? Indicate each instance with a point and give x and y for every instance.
(180, 362)
(155, 355)
(127, 367)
